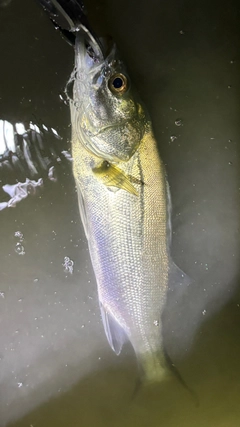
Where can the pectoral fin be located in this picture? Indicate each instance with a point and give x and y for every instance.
(114, 332)
(112, 176)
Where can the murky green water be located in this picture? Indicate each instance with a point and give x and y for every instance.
(56, 367)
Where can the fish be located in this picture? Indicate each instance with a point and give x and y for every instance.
(123, 194)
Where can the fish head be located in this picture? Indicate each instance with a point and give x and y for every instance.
(106, 114)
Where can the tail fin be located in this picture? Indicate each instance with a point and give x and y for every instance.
(157, 369)
(177, 374)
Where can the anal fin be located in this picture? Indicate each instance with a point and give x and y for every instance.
(114, 332)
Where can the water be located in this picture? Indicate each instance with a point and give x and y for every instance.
(184, 59)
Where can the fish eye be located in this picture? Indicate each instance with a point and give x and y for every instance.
(118, 84)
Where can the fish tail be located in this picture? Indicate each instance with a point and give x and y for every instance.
(153, 368)
(157, 369)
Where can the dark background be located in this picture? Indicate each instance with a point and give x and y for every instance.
(56, 368)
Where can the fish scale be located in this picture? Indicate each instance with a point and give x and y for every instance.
(129, 253)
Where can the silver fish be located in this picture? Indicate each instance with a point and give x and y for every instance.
(124, 201)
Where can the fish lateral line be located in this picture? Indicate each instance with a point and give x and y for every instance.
(112, 176)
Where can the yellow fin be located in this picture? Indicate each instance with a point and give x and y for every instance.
(112, 176)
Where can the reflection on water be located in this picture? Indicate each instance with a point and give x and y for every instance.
(56, 367)
(28, 152)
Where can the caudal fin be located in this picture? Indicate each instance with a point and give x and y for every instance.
(159, 369)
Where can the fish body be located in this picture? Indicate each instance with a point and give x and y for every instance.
(128, 244)
(123, 198)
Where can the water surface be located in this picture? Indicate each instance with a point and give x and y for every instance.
(56, 367)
